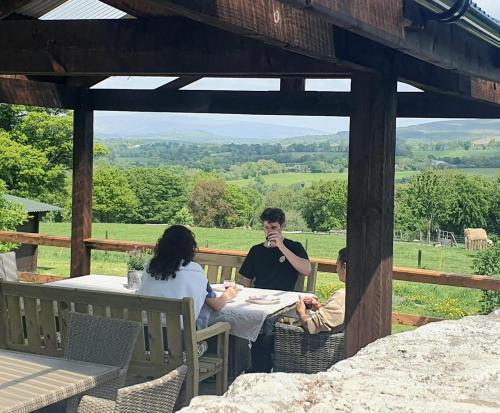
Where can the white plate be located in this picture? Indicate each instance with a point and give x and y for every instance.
(264, 299)
(220, 287)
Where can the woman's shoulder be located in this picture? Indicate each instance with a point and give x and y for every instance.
(192, 266)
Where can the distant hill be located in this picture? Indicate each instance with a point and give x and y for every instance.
(203, 129)
(192, 128)
(452, 130)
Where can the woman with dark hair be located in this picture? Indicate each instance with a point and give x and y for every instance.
(172, 273)
(330, 316)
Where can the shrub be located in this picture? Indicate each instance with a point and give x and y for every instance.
(488, 263)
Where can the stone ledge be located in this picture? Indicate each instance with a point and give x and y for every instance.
(448, 366)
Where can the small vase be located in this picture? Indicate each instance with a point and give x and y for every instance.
(134, 278)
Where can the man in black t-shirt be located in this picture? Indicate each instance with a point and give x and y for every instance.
(274, 264)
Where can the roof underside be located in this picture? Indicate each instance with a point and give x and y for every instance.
(30, 205)
(340, 38)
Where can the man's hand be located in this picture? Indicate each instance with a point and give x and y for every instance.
(314, 303)
(276, 239)
(300, 307)
(231, 292)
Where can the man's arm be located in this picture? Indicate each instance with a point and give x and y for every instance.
(244, 281)
(302, 265)
(246, 274)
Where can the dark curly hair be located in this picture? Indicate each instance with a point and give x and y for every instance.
(273, 215)
(176, 247)
(342, 257)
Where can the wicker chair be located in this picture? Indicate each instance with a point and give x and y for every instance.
(157, 396)
(296, 351)
(104, 341)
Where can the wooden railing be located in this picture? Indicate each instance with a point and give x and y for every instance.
(480, 282)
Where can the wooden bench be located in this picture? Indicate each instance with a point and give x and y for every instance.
(34, 320)
(219, 267)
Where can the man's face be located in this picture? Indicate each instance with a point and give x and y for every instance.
(272, 226)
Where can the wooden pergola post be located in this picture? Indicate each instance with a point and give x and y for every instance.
(81, 219)
(370, 209)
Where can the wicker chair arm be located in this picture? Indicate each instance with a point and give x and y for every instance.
(90, 404)
(157, 396)
(213, 330)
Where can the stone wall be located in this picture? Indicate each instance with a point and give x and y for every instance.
(449, 366)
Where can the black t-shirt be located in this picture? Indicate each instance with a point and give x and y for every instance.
(270, 268)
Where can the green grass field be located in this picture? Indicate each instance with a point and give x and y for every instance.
(413, 298)
(290, 178)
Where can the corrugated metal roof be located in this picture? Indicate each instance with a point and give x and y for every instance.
(38, 8)
(69, 10)
(82, 10)
(30, 205)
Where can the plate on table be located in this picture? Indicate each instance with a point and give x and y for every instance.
(220, 287)
(263, 299)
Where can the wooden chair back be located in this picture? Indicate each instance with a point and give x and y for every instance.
(35, 320)
(307, 283)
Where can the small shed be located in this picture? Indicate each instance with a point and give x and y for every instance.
(26, 255)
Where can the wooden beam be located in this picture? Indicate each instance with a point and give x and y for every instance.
(269, 20)
(303, 31)
(445, 45)
(292, 84)
(194, 101)
(164, 46)
(357, 50)
(7, 7)
(81, 218)
(370, 210)
(179, 83)
(49, 95)
(410, 104)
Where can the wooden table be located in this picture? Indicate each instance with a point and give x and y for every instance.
(29, 382)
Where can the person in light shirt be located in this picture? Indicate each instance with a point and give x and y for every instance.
(328, 317)
(172, 273)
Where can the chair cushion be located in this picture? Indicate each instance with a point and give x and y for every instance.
(8, 267)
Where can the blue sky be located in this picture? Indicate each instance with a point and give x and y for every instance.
(324, 124)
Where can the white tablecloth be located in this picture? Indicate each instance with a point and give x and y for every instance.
(246, 318)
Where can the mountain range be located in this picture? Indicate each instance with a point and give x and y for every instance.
(204, 129)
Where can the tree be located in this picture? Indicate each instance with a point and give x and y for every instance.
(471, 204)
(427, 201)
(161, 192)
(26, 171)
(11, 215)
(494, 214)
(215, 204)
(206, 202)
(51, 134)
(325, 205)
(238, 208)
(488, 263)
(113, 199)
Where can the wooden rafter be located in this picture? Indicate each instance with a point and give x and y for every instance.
(7, 7)
(179, 83)
(305, 32)
(168, 46)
